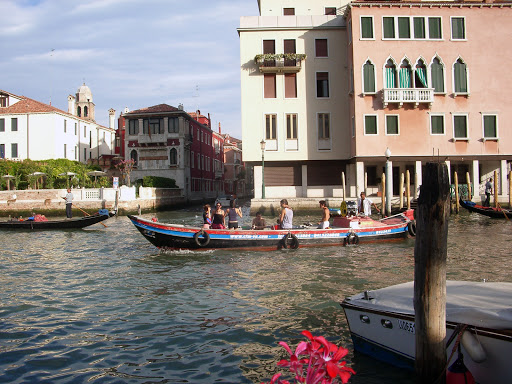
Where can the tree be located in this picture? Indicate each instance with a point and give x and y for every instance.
(126, 167)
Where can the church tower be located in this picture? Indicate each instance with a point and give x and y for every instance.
(83, 103)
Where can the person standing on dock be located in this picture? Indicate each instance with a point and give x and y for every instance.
(488, 191)
(69, 203)
(364, 205)
(326, 215)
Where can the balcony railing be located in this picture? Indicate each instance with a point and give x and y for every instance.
(272, 63)
(414, 96)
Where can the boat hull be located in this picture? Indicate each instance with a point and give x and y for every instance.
(76, 223)
(390, 335)
(172, 236)
(495, 213)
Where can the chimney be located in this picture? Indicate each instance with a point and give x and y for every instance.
(209, 121)
(220, 132)
(71, 105)
(180, 107)
(111, 118)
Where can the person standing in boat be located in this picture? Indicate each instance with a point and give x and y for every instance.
(207, 216)
(69, 203)
(364, 205)
(232, 212)
(326, 215)
(488, 191)
(286, 216)
(218, 217)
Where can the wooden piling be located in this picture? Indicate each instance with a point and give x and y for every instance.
(343, 183)
(430, 253)
(495, 189)
(408, 188)
(383, 210)
(510, 189)
(468, 181)
(401, 190)
(456, 181)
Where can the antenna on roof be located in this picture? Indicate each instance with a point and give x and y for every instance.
(197, 95)
(51, 77)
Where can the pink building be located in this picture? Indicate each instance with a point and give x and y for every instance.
(429, 82)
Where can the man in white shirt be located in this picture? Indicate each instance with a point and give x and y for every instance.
(364, 205)
(69, 203)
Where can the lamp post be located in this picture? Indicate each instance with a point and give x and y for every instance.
(262, 144)
(389, 182)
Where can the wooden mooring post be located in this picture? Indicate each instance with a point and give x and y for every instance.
(383, 210)
(495, 189)
(457, 206)
(510, 189)
(468, 181)
(401, 190)
(430, 253)
(408, 188)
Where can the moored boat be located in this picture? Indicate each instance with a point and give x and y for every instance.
(496, 213)
(74, 223)
(382, 325)
(344, 230)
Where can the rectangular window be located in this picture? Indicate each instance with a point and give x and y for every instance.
(269, 46)
(14, 150)
(65, 127)
(322, 84)
(270, 127)
(2, 151)
(65, 151)
(290, 85)
(199, 161)
(368, 78)
(392, 125)
(4, 99)
(330, 11)
(2, 125)
(76, 129)
(321, 48)
(437, 125)
(324, 126)
(366, 27)
(269, 85)
(76, 152)
(370, 125)
(458, 28)
(460, 127)
(434, 28)
(133, 127)
(404, 28)
(85, 130)
(192, 160)
(490, 127)
(388, 25)
(289, 48)
(419, 27)
(288, 11)
(173, 125)
(14, 124)
(85, 154)
(291, 126)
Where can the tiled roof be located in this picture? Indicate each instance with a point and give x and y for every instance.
(154, 109)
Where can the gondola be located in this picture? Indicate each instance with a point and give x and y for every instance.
(74, 223)
(346, 230)
(496, 213)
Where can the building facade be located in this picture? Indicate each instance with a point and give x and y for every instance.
(33, 130)
(168, 142)
(330, 85)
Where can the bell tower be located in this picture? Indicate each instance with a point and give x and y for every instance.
(84, 104)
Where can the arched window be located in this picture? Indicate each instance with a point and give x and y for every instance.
(134, 156)
(460, 77)
(79, 112)
(173, 157)
(420, 75)
(437, 75)
(85, 111)
(404, 76)
(390, 74)
(368, 77)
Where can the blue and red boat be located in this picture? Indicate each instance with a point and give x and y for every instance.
(345, 230)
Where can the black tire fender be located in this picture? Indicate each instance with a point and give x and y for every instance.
(352, 239)
(288, 241)
(411, 228)
(205, 238)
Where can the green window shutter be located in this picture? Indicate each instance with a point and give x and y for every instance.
(461, 85)
(392, 125)
(366, 28)
(422, 76)
(458, 31)
(437, 77)
(390, 77)
(404, 77)
(434, 28)
(419, 27)
(370, 125)
(460, 128)
(369, 77)
(404, 28)
(437, 125)
(490, 130)
(389, 27)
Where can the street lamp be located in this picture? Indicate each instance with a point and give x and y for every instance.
(389, 182)
(262, 144)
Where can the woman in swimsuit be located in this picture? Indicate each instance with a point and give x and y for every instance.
(218, 217)
(232, 212)
(207, 216)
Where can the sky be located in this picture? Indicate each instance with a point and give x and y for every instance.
(130, 53)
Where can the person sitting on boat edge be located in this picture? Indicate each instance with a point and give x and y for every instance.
(364, 205)
(326, 215)
(286, 216)
(258, 222)
(207, 216)
(232, 212)
(218, 217)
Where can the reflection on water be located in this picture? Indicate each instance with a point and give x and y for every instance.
(104, 305)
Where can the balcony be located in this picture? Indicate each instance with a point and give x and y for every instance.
(408, 95)
(279, 62)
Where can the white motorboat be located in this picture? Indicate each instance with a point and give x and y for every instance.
(382, 325)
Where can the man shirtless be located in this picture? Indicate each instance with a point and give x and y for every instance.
(326, 215)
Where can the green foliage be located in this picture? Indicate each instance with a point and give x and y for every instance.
(158, 182)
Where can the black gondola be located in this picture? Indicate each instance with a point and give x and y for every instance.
(496, 213)
(75, 223)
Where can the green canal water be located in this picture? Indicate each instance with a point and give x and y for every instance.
(102, 305)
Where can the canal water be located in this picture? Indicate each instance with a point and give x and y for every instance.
(103, 305)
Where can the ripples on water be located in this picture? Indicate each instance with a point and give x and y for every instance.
(105, 306)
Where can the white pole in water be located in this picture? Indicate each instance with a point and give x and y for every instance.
(389, 182)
